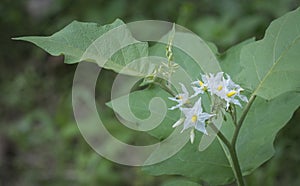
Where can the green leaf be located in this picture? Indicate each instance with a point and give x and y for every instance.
(271, 66)
(73, 40)
(263, 122)
(78, 40)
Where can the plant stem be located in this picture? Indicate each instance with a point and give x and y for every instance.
(234, 159)
(236, 166)
(166, 88)
(241, 120)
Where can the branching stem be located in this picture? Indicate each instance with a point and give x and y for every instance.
(232, 145)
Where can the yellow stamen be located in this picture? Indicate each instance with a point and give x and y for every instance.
(231, 93)
(220, 87)
(201, 83)
(179, 97)
(194, 118)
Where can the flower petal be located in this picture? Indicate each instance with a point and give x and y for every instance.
(201, 127)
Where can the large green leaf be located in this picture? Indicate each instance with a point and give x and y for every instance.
(271, 66)
(73, 40)
(78, 41)
(264, 120)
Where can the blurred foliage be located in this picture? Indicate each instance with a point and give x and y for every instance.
(40, 143)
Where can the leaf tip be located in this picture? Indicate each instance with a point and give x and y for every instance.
(17, 38)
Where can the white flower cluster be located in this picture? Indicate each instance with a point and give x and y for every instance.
(194, 117)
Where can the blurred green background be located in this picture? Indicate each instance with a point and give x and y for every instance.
(40, 143)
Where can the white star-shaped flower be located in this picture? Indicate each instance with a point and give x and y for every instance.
(195, 118)
(181, 99)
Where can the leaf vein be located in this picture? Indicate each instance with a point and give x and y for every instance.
(276, 63)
